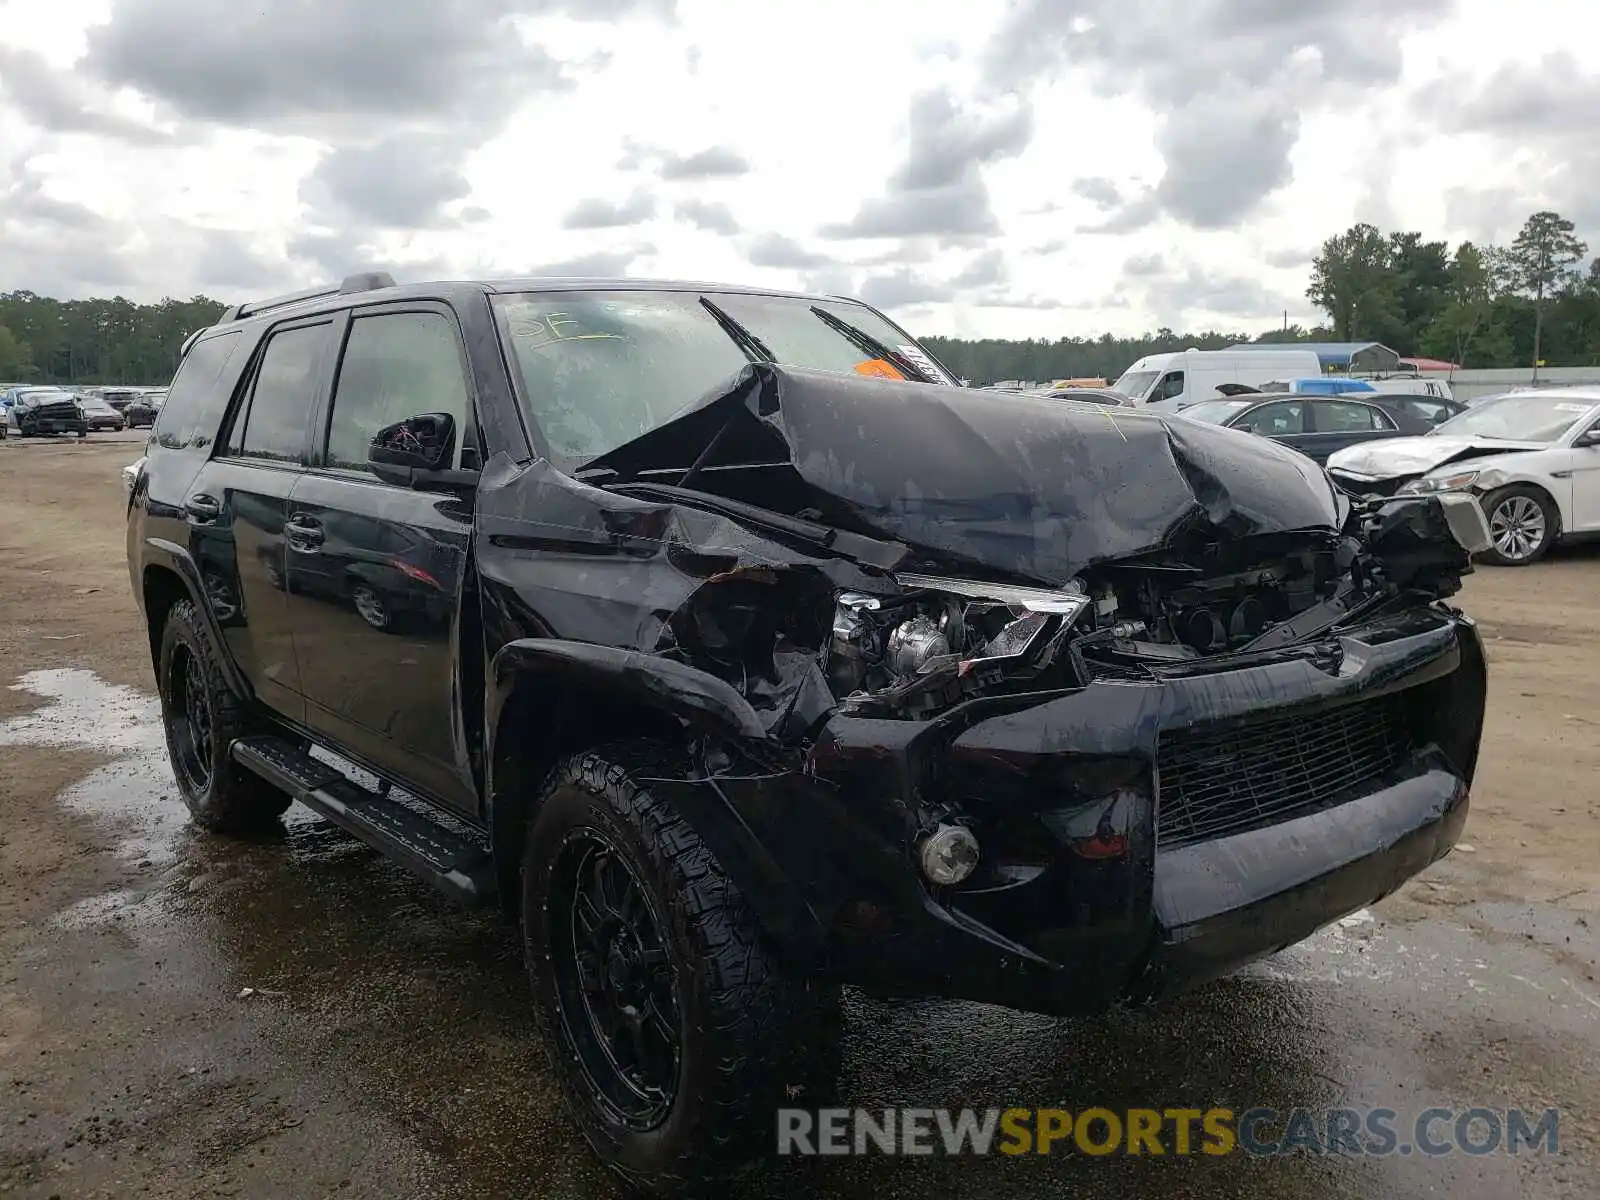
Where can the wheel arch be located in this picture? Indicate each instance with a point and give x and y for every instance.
(170, 575)
(549, 699)
(1494, 480)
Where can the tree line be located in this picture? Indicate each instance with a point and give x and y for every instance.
(1475, 305)
(43, 340)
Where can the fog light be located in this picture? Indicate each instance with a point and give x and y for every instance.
(949, 854)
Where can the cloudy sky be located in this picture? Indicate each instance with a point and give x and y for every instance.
(979, 167)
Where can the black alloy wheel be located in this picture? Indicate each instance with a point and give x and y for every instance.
(614, 980)
(190, 720)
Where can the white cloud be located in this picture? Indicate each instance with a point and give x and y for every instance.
(987, 167)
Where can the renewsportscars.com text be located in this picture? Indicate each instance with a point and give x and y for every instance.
(1264, 1132)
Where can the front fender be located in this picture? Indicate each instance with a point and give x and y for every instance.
(673, 688)
(632, 680)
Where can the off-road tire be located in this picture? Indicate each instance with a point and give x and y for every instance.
(1552, 523)
(753, 1038)
(232, 799)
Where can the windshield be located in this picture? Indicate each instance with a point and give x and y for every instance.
(1135, 383)
(1215, 411)
(600, 368)
(1518, 418)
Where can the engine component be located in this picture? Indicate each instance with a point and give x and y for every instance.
(913, 644)
(1202, 629)
(1248, 619)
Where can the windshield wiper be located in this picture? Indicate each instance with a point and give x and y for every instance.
(747, 341)
(868, 344)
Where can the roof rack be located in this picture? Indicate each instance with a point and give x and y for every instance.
(366, 281)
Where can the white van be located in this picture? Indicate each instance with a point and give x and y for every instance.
(1168, 382)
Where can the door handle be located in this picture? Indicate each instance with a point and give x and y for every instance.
(304, 533)
(202, 507)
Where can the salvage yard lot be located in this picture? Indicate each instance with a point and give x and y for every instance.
(384, 1043)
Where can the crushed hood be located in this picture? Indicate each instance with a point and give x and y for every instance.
(1394, 457)
(1009, 482)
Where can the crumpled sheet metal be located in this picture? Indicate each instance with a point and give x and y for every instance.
(1010, 483)
(562, 560)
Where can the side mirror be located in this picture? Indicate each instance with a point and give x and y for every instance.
(417, 453)
(423, 443)
(1589, 437)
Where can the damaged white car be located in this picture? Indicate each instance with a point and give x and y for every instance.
(1531, 458)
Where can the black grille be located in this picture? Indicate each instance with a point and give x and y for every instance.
(1248, 773)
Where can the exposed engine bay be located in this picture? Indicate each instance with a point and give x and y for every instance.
(941, 640)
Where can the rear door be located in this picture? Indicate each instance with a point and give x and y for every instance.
(376, 571)
(237, 504)
(1337, 423)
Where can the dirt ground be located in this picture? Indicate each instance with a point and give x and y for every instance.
(130, 1065)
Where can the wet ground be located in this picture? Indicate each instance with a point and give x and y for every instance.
(182, 1016)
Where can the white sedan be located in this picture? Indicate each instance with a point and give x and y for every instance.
(1532, 459)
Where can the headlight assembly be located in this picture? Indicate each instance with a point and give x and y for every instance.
(1430, 485)
(941, 640)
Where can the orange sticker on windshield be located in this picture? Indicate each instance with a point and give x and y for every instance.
(879, 368)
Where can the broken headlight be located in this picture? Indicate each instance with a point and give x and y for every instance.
(1430, 485)
(940, 640)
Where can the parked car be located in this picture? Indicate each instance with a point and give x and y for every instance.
(100, 415)
(1427, 400)
(1532, 460)
(43, 412)
(1314, 425)
(144, 409)
(760, 671)
(120, 398)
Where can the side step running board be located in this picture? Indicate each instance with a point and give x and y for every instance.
(459, 866)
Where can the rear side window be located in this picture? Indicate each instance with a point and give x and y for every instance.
(1431, 411)
(1275, 420)
(273, 425)
(198, 396)
(395, 366)
(1345, 416)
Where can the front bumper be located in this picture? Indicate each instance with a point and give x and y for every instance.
(53, 426)
(1094, 887)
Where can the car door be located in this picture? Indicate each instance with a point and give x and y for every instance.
(1337, 423)
(237, 504)
(375, 570)
(1169, 388)
(1585, 460)
(1281, 420)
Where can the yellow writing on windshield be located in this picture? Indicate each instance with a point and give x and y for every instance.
(557, 327)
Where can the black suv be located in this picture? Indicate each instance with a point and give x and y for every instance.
(739, 653)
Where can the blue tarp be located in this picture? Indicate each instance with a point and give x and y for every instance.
(1329, 385)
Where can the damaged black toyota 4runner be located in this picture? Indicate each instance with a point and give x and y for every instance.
(726, 642)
